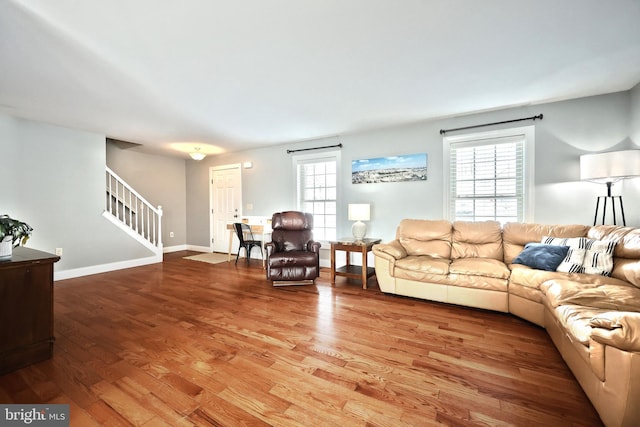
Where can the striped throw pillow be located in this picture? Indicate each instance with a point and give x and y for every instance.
(574, 261)
(598, 258)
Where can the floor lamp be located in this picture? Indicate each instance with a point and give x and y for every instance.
(609, 168)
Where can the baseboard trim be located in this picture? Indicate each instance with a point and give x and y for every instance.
(198, 248)
(103, 268)
(169, 249)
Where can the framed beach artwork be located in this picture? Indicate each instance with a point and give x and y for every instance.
(410, 167)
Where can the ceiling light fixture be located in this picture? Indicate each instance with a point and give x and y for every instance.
(197, 154)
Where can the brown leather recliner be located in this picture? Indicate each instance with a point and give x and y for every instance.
(293, 257)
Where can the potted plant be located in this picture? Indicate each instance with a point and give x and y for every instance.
(13, 233)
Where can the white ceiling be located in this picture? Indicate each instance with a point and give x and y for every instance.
(230, 75)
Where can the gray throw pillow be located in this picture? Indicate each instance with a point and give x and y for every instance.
(541, 256)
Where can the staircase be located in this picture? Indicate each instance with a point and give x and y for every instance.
(129, 211)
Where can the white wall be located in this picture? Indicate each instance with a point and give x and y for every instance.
(635, 115)
(632, 186)
(569, 129)
(54, 180)
(9, 185)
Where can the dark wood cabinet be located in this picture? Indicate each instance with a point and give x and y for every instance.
(26, 308)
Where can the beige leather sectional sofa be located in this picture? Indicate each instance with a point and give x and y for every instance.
(593, 319)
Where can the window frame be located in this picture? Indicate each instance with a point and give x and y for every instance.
(299, 159)
(483, 138)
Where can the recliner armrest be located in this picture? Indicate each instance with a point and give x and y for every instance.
(314, 246)
(270, 248)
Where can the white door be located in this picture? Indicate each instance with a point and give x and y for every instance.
(226, 205)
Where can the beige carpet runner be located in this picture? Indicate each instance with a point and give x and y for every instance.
(210, 257)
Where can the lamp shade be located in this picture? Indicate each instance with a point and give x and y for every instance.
(359, 212)
(610, 167)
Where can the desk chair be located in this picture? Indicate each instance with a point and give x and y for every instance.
(247, 241)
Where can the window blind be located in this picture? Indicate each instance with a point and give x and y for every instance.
(487, 179)
(317, 194)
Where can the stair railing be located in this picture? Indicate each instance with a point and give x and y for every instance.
(133, 212)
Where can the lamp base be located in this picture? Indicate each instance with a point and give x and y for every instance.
(606, 199)
(359, 229)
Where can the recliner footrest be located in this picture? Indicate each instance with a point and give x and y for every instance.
(292, 282)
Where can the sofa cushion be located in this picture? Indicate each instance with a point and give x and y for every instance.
(627, 239)
(525, 292)
(576, 319)
(598, 258)
(626, 265)
(425, 237)
(618, 328)
(482, 239)
(425, 264)
(541, 256)
(423, 269)
(532, 278)
(485, 267)
(627, 270)
(624, 297)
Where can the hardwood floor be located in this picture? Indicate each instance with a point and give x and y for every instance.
(189, 343)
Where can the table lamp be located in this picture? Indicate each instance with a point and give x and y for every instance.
(359, 212)
(609, 168)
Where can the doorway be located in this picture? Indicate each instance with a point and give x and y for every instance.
(225, 201)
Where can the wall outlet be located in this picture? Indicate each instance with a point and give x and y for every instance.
(171, 234)
(249, 206)
(59, 251)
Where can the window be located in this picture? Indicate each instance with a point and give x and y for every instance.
(489, 176)
(316, 192)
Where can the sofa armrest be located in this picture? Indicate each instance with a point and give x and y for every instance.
(393, 250)
(620, 329)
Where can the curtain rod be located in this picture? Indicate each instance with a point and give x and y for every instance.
(539, 116)
(314, 148)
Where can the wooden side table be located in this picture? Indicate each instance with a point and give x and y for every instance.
(352, 271)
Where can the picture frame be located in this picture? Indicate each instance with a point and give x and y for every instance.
(408, 167)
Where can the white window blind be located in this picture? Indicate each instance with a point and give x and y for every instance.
(317, 194)
(487, 179)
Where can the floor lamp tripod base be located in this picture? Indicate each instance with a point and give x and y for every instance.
(605, 200)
